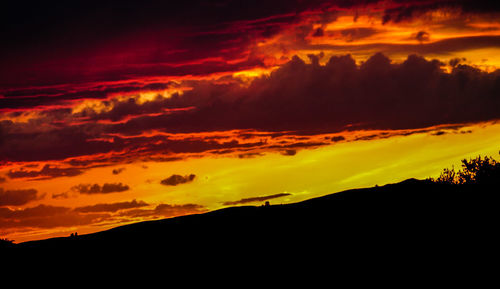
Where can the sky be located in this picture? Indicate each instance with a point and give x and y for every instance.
(124, 111)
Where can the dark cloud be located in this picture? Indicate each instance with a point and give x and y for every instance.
(319, 32)
(2, 134)
(112, 188)
(79, 141)
(47, 172)
(38, 211)
(296, 99)
(118, 171)
(250, 155)
(422, 36)
(113, 207)
(255, 199)
(17, 197)
(442, 47)
(97, 189)
(337, 138)
(161, 159)
(353, 34)
(404, 10)
(175, 180)
(301, 96)
(166, 210)
(370, 137)
(306, 97)
(439, 132)
(289, 152)
(32, 144)
(46, 216)
(456, 61)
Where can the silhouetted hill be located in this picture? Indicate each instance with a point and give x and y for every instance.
(410, 218)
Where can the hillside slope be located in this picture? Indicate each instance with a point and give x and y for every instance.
(416, 216)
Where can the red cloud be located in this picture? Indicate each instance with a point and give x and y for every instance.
(297, 98)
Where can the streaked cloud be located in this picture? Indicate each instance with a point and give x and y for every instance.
(166, 210)
(113, 207)
(47, 172)
(255, 199)
(118, 171)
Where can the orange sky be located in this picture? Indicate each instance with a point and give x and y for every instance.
(115, 139)
(309, 173)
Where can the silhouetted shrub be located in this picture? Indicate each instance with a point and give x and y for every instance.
(479, 170)
(447, 176)
(6, 243)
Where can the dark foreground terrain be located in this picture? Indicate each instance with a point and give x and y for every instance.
(413, 218)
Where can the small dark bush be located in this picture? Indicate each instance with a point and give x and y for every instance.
(6, 243)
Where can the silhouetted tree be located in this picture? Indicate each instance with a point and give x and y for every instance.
(485, 171)
(6, 243)
(447, 176)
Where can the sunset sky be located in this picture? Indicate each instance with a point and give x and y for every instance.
(114, 112)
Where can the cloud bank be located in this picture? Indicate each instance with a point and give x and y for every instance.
(49, 216)
(298, 98)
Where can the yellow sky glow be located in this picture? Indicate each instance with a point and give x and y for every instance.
(310, 173)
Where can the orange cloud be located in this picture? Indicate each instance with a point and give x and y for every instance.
(188, 85)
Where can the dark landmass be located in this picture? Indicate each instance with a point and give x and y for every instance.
(412, 218)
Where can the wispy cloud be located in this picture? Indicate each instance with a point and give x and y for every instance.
(255, 199)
